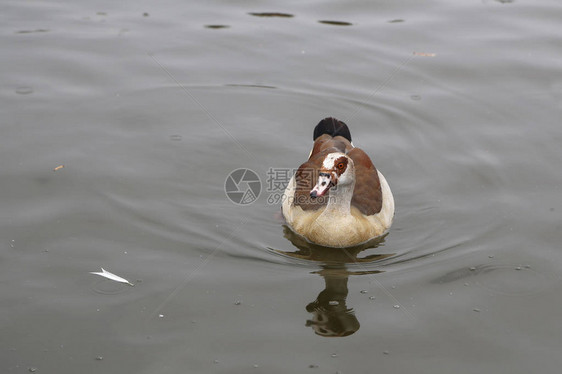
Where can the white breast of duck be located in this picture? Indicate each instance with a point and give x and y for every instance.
(338, 198)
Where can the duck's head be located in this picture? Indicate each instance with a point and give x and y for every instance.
(337, 169)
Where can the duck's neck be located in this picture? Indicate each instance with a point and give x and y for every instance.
(339, 200)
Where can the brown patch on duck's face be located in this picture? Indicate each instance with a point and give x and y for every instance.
(335, 170)
(340, 165)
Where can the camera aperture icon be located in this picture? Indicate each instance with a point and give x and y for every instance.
(242, 186)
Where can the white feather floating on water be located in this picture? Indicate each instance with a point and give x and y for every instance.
(106, 274)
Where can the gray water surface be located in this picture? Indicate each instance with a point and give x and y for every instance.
(121, 123)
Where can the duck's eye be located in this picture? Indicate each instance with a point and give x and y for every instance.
(340, 166)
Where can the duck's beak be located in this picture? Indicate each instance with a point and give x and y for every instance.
(323, 185)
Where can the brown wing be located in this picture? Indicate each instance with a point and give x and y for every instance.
(367, 195)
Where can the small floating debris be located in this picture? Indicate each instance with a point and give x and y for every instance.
(313, 366)
(363, 291)
(238, 302)
(106, 274)
(398, 20)
(271, 14)
(476, 309)
(145, 14)
(472, 268)
(397, 306)
(424, 54)
(58, 168)
(32, 369)
(335, 23)
(217, 26)
(386, 352)
(371, 298)
(333, 302)
(99, 358)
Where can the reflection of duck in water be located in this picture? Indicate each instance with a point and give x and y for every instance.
(337, 198)
(330, 315)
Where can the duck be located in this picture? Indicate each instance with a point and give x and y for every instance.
(337, 198)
